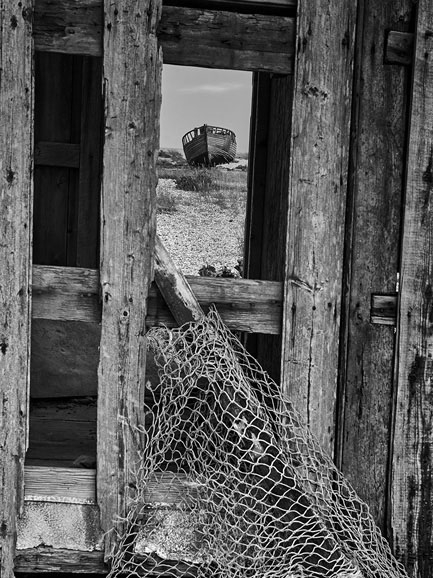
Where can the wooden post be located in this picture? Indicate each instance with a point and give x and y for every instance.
(16, 190)
(412, 489)
(372, 247)
(317, 206)
(132, 79)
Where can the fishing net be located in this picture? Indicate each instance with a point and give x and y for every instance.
(231, 484)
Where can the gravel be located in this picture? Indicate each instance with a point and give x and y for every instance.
(200, 229)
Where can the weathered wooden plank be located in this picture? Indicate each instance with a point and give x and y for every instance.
(57, 154)
(90, 163)
(257, 165)
(62, 432)
(54, 197)
(252, 6)
(373, 233)
(316, 215)
(174, 288)
(221, 39)
(59, 484)
(16, 192)
(412, 489)
(383, 309)
(275, 210)
(64, 358)
(72, 26)
(66, 293)
(245, 314)
(399, 48)
(227, 40)
(78, 485)
(72, 294)
(132, 74)
(46, 559)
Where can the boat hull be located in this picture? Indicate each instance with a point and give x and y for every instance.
(209, 146)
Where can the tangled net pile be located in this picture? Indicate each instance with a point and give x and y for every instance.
(248, 491)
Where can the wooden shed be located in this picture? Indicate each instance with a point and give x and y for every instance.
(337, 300)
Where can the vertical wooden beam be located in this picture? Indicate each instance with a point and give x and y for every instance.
(275, 208)
(372, 251)
(132, 79)
(317, 204)
(257, 164)
(16, 189)
(90, 163)
(412, 490)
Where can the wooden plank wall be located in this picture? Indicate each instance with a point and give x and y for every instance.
(132, 67)
(372, 254)
(316, 214)
(68, 113)
(412, 490)
(16, 192)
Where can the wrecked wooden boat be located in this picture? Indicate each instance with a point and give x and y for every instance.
(209, 146)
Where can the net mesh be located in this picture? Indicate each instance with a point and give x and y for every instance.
(231, 483)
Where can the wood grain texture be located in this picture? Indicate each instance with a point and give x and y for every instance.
(132, 77)
(316, 214)
(59, 484)
(227, 40)
(251, 6)
(412, 491)
(16, 198)
(66, 293)
(72, 294)
(62, 432)
(71, 26)
(45, 559)
(221, 39)
(174, 287)
(372, 247)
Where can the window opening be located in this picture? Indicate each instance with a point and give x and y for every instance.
(201, 205)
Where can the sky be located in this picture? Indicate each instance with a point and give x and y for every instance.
(195, 96)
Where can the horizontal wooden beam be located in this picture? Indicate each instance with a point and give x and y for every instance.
(42, 483)
(66, 293)
(57, 154)
(81, 562)
(189, 36)
(73, 485)
(70, 26)
(399, 48)
(227, 40)
(56, 560)
(72, 294)
(276, 7)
